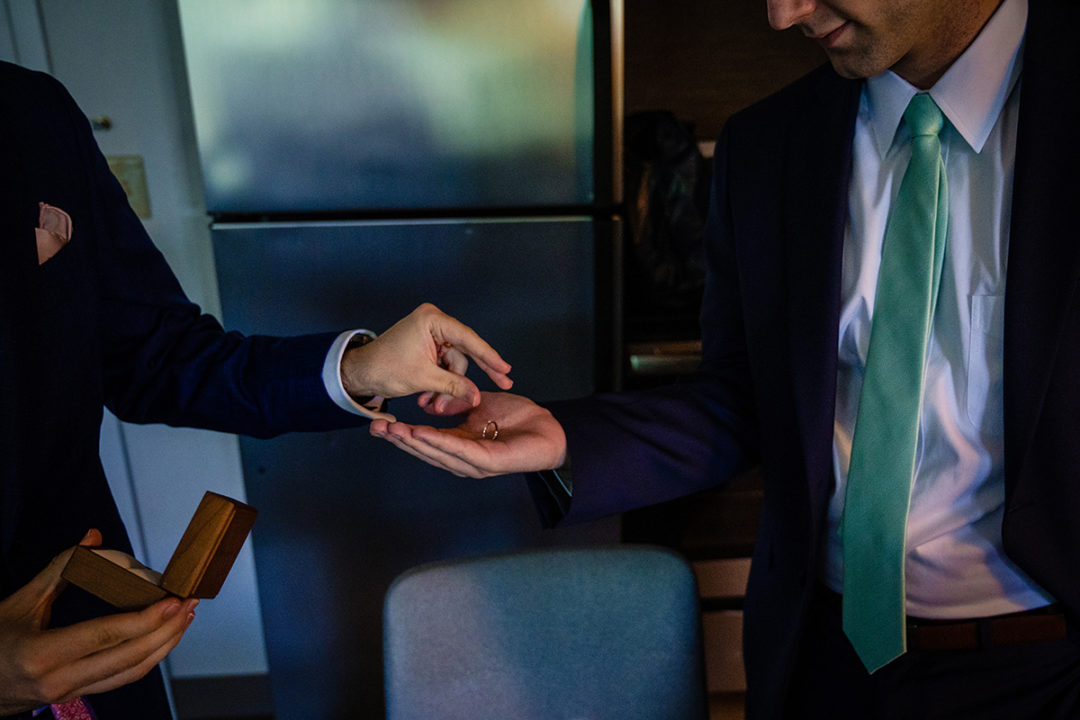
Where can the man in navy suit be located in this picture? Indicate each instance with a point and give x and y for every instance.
(90, 317)
(804, 181)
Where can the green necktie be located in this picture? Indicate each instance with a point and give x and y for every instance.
(887, 425)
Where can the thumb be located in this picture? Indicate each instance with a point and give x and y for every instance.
(53, 571)
(50, 582)
(36, 597)
(446, 382)
(52, 579)
(92, 538)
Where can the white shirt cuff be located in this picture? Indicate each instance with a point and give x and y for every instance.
(331, 376)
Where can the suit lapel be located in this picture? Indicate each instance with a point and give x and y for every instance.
(1044, 255)
(815, 214)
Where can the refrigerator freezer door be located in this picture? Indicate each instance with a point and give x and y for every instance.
(346, 105)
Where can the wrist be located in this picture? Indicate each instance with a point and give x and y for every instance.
(353, 365)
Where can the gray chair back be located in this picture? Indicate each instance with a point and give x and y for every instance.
(570, 634)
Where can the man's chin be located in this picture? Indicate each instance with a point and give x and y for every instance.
(854, 68)
(849, 73)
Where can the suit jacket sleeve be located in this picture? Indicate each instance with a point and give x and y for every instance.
(634, 449)
(162, 359)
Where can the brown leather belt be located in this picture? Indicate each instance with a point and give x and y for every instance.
(1043, 624)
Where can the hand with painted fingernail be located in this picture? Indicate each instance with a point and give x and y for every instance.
(43, 666)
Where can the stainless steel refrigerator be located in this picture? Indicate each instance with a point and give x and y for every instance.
(360, 157)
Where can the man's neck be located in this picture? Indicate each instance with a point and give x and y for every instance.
(925, 65)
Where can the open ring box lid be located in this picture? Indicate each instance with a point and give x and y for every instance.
(197, 569)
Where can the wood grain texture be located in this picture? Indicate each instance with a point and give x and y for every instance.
(114, 584)
(198, 568)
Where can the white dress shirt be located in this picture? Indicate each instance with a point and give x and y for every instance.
(954, 565)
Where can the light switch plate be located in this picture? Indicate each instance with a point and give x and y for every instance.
(129, 170)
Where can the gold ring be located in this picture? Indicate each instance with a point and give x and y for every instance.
(494, 432)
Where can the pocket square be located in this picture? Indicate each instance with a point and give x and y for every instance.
(53, 231)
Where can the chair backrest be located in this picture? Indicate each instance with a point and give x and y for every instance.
(590, 633)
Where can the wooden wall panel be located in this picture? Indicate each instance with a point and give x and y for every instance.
(705, 59)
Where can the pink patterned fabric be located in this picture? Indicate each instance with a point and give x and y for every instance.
(77, 709)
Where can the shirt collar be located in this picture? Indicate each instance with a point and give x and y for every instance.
(972, 91)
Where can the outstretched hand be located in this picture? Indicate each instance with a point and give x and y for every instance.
(425, 352)
(40, 666)
(529, 438)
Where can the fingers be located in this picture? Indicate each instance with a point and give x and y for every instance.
(44, 666)
(132, 674)
(494, 371)
(459, 450)
(453, 360)
(425, 352)
(530, 439)
(455, 343)
(403, 437)
(461, 337)
(465, 451)
(93, 656)
(109, 652)
(133, 659)
(405, 447)
(454, 387)
(447, 405)
(101, 634)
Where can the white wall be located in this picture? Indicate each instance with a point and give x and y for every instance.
(124, 60)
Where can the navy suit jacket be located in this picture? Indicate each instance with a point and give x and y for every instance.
(770, 321)
(105, 323)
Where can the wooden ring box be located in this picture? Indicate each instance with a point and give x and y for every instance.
(198, 567)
